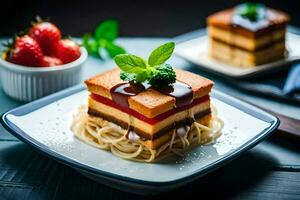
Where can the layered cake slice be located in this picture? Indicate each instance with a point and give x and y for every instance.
(144, 112)
(248, 35)
(150, 113)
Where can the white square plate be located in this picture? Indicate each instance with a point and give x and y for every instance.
(45, 125)
(196, 51)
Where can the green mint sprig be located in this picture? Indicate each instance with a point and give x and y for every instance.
(155, 71)
(103, 39)
(251, 11)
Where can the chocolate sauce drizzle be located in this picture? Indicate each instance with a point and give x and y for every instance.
(239, 21)
(121, 92)
(182, 93)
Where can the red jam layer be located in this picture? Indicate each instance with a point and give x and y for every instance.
(139, 116)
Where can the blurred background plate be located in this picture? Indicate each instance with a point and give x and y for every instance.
(196, 51)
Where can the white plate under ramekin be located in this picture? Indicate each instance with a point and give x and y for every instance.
(29, 83)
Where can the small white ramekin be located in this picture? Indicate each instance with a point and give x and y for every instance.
(29, 83)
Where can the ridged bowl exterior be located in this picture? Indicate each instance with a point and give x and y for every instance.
(29, 83)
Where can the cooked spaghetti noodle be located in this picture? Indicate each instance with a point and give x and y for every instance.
(106, 135)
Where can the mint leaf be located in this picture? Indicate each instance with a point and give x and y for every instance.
(161, 54)
(103, 40)
(113, 49)
(91, 45)
(130, 63)
(107, 30)
(251, 11)
(135, 69)
(134, 77)
(127, 76)
(141, 77)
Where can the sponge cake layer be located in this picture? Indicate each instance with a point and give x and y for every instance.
(239, 57)
(248, 43)
(146, 130)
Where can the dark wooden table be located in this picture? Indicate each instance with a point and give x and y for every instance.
(271, 170)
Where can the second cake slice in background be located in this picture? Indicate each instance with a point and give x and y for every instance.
(247, 35)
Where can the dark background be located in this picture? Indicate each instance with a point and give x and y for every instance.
(136, 17)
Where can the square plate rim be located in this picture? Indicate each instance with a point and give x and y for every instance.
(42, 148)
(187, 37)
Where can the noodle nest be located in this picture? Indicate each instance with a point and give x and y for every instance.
(105, 135)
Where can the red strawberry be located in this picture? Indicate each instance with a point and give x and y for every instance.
(46, 34)
(25, 51)
(50, 61)
(67, 50)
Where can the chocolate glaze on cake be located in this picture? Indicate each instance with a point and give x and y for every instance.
(182, 92)
(228, 20)
(121, 92)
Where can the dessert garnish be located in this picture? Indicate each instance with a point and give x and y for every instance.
(251, 11)
(154, 71)
(103, 39)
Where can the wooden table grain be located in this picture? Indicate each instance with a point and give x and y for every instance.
(271, 170)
